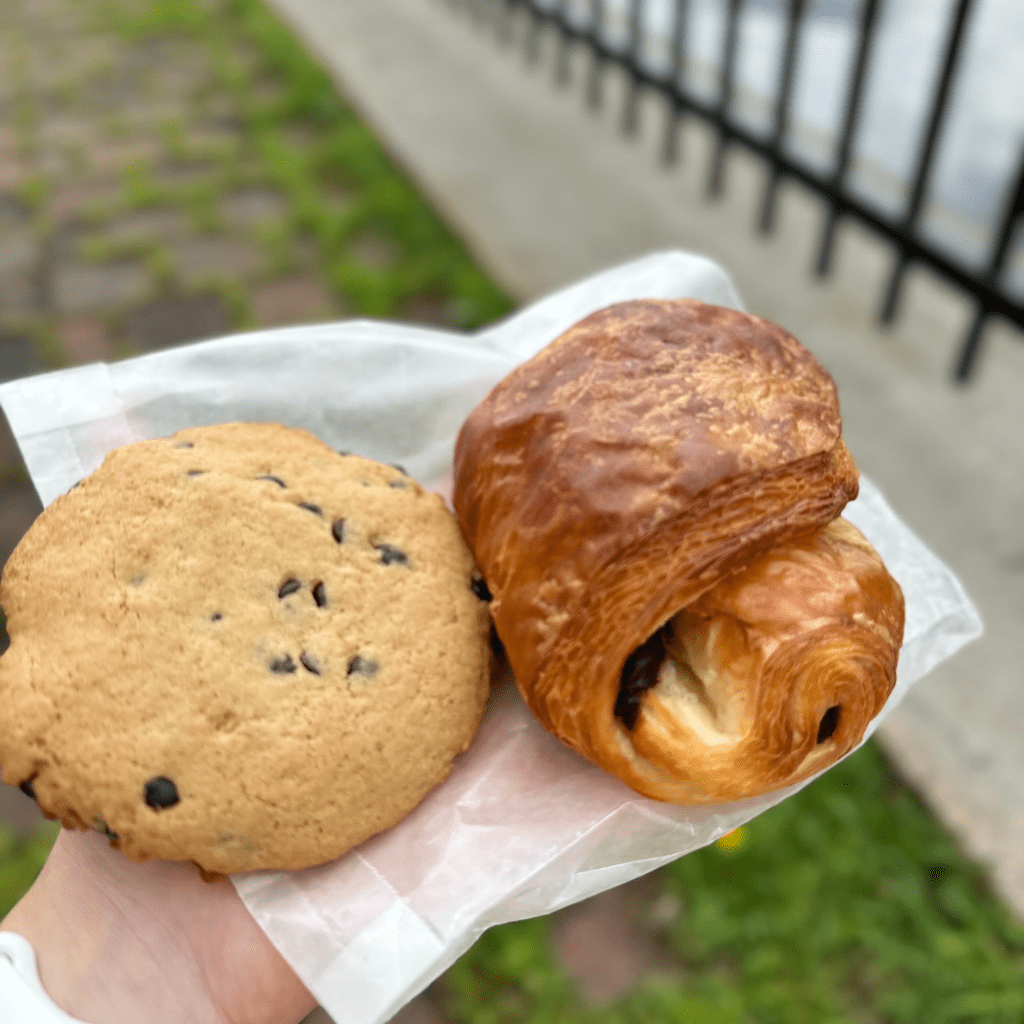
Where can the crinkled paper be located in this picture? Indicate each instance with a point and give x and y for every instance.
(523, 826)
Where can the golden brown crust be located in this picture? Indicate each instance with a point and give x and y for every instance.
(653, 450)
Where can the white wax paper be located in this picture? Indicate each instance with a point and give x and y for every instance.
(523, 826)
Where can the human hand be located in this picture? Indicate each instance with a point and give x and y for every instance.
(150, 942)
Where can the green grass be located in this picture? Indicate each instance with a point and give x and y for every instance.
(846, 903)
(340, 158)
(20, 861)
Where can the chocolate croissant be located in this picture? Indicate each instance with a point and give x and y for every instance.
(654, 503)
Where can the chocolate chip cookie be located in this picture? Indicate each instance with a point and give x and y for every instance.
(238, 647)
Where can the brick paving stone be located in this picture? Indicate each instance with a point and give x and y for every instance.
(375, 250)
(180, 74)
(13, 212)
(432, 311)
(18, 356)
(420, 1011)
(19, 506)
(157, 223)
(17, 811)
(213, 257)
(85, 339)
(603, 945)
(214, 140)
(19, 252)
(60, 129)
(73, 198)
(290, 300)
(106, 155)
(11, 462)
(21, 298)
(251, 207)
(174, 320)
(181, 175)
(91, 288)
(13, 170)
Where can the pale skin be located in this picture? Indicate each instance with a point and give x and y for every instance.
(150, 942)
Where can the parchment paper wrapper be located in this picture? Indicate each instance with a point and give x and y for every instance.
(523, 826)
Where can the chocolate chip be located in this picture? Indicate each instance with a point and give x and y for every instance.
(398, 485)
(479, 587)
(161, 792)
(338, 530)
(829, 723)
(273, 479)
(309, 663)
(310, 507)
(320, 595)
(639, 674)
(289, 587)
(362, 667)
(73, 486)
(216, 617)
(195, 472)
(401, 469)
(343, 453)
(27, 788)
(184, 444)
(283, 665)
(390, 555)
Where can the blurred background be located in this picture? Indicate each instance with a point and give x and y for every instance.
(176, 170)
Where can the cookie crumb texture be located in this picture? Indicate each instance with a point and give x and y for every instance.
(206, 665)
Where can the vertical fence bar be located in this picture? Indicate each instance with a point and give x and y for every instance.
(677, 62)
(785, 93)
(924, 160)
(1012, 214)
(503, 21)
(596, 76)
(532, 48)
(630, 119)
(869, 20)
(715, 180)
(991, 295)
(562, 54)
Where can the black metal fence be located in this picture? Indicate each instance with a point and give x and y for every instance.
(985, 283)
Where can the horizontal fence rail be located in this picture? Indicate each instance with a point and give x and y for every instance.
(985, 284)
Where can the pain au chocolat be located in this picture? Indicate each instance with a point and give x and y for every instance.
(654, 501)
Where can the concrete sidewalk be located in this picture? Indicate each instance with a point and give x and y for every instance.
(544, 192)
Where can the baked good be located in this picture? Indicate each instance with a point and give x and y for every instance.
(237, 647)
(653, 500)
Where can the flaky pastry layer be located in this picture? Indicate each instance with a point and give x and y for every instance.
(643, 463)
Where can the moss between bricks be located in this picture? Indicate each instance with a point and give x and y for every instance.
(281, 94)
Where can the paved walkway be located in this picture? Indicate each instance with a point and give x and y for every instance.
(544, 192)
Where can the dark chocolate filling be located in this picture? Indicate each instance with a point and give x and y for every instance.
(829, 723)
(639, 674)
